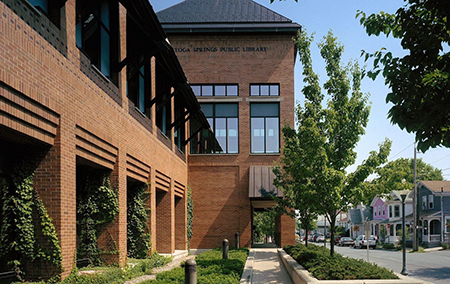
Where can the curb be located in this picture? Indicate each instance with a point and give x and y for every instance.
(247, 274)
(300, 275)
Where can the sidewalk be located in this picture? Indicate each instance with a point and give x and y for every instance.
(264, 266)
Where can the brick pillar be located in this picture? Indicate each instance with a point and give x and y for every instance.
(287, 226)
(152, 204)
(164, 222)
(116, 232)
(55, 183)
(180, 223)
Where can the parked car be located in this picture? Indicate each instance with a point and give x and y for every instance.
(316, 236)
(320, 239)
(346, 241)
(336, 239)
(361, 242)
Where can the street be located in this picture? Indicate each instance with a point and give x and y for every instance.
(432, 266)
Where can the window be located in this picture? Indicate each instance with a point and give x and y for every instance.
(383, 210)
(431, 201)
(93, 33)
(265, 128)
(264, 90)
(180, 127)
(50, 8)
(223, 119)
(379, 210)
(230, 90)
(390, 211)
(424, 202)
(425, 227)
(375, 211)
(397, 211)
(138, 72)
(447, 224)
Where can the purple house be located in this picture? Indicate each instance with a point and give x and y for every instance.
(379, 213)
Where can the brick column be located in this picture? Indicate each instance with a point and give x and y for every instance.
(287, 225)
(165, 228)
(180, 223)
(55, 183)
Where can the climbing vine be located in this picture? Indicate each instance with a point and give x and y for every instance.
(138, 233)
(190, 214)
(27, 233)
(97, 206)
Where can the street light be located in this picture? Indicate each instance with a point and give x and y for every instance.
(404, 272)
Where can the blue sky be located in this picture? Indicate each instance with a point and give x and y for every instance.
(319, 16)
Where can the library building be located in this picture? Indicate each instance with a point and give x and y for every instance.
(111, 114)
(239, 59)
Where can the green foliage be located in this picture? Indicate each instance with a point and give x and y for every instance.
(190, 214)
(97, 206)
(445, 246)
(138, 233)
(211, 268)
(419, 81)
(317, 260)
(27, 233)
(389, 246)
(312, 171)
(264, 223)
(106, 275)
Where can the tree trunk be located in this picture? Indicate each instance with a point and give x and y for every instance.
(332, 227)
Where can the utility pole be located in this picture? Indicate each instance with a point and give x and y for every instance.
(416, 205)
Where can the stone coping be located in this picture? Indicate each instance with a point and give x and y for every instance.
(300, 275)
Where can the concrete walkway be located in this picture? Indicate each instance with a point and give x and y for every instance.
(264, 266)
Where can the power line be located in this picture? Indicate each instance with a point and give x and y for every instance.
(440, 159)
(400, 152)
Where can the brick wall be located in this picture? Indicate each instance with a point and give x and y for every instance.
(54, 97)
(220, 183)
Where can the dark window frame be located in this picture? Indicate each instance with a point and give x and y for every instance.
(193, 86)
(269, 90)
(265, 126)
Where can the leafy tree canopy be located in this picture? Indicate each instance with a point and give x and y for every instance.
(419, 81)
(312, 171)
(399, 175)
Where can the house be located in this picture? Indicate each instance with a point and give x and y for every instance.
(359, 219)
(388, 218)
(434, 212)
(239, 58)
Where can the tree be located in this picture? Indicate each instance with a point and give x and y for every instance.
(399, 175)
(312, 171)
(264, 223)
(419, 81)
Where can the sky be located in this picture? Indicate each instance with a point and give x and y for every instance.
(320, 16)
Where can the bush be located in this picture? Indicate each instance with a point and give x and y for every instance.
(445, 246)
(211, 268)
(317, 260)
(389, 246)
(135, 268)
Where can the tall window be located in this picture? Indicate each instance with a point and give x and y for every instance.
(265, 127)
(447, 224)
(138, 72)
(390, 211)
(229, 90)
(431, 201)
(93, 33)
(424, 202)
(50, 8)
(397, 211)
(223, 119)
(383, 209)
(264, 90)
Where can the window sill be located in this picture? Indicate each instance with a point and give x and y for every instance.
(100, 73)
(218, 99)
(140, 112)
(265, 154)
(264, 99)
(215, 154)
(31, 6)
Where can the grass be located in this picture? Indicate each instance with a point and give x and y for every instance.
(317, 260)
(211, 268)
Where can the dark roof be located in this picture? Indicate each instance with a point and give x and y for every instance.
(437, 185)
(223, 16)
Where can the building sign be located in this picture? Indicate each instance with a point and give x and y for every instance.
(230, 49)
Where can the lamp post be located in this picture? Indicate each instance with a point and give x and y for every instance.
(404, 272)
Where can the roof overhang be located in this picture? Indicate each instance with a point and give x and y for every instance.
(188, 28)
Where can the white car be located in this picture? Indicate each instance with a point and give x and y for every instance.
(361, 242)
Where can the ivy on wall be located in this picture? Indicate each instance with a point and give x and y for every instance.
(97, 206)
(190, 215)
(138, 232)
(27, 234)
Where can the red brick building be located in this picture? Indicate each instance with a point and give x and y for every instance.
(93, 86)
(239, 59)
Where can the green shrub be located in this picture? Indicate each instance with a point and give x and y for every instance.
(317, 260)
(211, 268)
(445, 246)
(388, 246)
